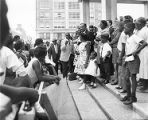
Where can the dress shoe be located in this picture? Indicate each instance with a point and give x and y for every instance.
(134, 99)
(106, 82)
(81, 81)
(114, 83)
(94, 85)
(142, 90)
(130, 101)
(124, 98)
(118, 87)
(82, 87)
(123, 91)
(91, 84)
(139, 84)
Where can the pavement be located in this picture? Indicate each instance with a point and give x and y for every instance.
(141, 106)
(100, 99)
(101, 103)
(62, 102)
(87, 107)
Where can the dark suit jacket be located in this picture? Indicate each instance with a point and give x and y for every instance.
(51, 53)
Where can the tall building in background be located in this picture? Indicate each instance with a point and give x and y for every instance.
(55, 17)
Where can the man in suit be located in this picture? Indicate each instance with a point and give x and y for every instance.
(54, 53)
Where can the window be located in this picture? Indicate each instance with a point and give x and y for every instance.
(59, 24)
(73, 5)
(74, 15)
(59, 5)
(59, 27)
(41, 35)
(44, 14)
(73, 24)
(59, 15)
(41, 24)
(44, 23)
(47, 35)
(44, 4)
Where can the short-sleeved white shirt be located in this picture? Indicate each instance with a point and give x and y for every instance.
(9, 60)
(104, 48)
(65, 54)
(132, 44)
(143, 33)
(122, 39)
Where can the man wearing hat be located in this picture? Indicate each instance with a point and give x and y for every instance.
(38, 42)
(54, 53)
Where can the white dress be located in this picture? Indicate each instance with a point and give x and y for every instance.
(143, 55)
(79, 65)
(92, 69)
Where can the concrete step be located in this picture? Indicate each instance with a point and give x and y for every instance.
(61, 101)
(86, 106)
(141, 106)
(112, 106)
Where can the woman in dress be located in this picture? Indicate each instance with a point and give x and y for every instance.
(83, 57)
(142, 32)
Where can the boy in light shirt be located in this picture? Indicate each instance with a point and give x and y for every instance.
(105, 53)
(132, 47)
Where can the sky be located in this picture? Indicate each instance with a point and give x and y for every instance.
(24, 12)
(130, 9)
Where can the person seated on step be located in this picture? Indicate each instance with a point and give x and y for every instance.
(8, 59)
(37, 70)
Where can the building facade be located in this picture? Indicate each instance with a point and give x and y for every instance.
(55, 17)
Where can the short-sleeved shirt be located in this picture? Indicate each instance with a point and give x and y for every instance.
(9, 60)
(65, 54)
(122, 39)
(132, 44)
(143, 33)
(104, 48)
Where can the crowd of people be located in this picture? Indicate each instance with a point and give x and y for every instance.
(115, 52)
(121, 55)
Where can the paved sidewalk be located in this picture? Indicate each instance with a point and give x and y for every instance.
(62, 102)
(141, 106)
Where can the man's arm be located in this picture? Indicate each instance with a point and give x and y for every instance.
(18, 94)
(50, 52)
(63, 45)
(122, 54)
(142, 44)
(42, 77)
(107, 54)
(115, 40)
(88, 53)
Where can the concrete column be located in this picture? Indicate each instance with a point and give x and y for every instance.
(109, 9)
(85, 10)
(146, 9)
(66, 15)
(51, 36)
(113, 9)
